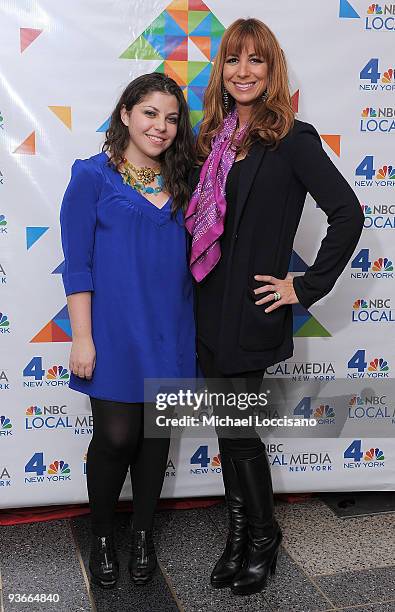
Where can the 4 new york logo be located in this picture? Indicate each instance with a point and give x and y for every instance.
(372, 79)
(56, 417)
(58, 470)
(55, 376)
(206, 464)
(323, 413)
(380, 119)
(379, 216)
(376, 310)
(358, 459)
(381, 267)
(384, 176)
(376, 368)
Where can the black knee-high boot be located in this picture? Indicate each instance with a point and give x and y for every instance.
(264, 532)
(231, 559)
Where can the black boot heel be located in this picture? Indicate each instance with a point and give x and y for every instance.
(264, 533)
(103, 562)
(143, 559)
(232, 558)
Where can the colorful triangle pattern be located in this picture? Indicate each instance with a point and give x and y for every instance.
(304, 324)
(33, 234)
(27, 36)
(184, 30)
(57, 330)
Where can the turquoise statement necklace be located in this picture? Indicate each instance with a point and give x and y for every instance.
(139, 178)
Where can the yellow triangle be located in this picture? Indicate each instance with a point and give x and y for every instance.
(178, 5)
(180, 68)
(63, 113)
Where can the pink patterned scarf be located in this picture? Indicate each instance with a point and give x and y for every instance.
(205, 215)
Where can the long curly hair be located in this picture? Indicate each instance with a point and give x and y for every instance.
(177, 160)
(270, 120)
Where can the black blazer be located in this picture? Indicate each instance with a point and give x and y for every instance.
(271, 195)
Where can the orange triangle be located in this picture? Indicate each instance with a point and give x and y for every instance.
(333, 141)
(203, 43)
(27, 36)
(178, 71)
(181, 18)
(178, 5)
(295, 101)
(63, 113)
(51, 332)
(28, 146)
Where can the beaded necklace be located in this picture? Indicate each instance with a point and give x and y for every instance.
(139, 178)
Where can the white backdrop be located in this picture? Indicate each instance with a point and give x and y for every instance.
(63, 67)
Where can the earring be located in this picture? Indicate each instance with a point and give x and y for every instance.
(225, 98)
(265, 95)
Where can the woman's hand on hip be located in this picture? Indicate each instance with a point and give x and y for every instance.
(276, 286)
(83, 357)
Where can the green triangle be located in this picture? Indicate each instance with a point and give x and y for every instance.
(157, 26)
(195, 117)
(312, 329)
(194, 68)
(195, 18)
(217, 29)
(161, 68)
(141, 49)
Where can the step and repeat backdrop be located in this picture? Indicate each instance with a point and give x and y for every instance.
(63, 67)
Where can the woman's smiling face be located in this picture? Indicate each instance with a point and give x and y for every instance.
(245, 75)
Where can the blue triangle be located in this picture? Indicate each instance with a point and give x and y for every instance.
(201, 79)
(64, 325)
(297, 264)
(104, 126)
(346, 11)
(204, 27)
(172, 28)
(59, 269)
(33, 234)
(194, 102)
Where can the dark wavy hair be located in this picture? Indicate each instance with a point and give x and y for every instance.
(177, 160)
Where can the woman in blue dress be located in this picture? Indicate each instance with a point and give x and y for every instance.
(130, 301)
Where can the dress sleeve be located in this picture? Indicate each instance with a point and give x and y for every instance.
(77, 224)
(336, 198)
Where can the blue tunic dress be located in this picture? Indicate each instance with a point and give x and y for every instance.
(132, 256)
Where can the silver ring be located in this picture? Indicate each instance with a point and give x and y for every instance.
(276, 296)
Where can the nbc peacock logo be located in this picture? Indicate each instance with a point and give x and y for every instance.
(205, 464)
(379, 216)
(370, 407)
(356, 400)
(55, 376)
(375, 310)
(58, 470)
(361, 367)
(59, 467)
(373, 78)
(379, 268)
(377, 120)
(3, 221)
(371, 458)
(375, 9)
(58, 373)
(33, 411)
(324, 413)
(5, 426)
(4, 324)
(382, 175)
(380, 17)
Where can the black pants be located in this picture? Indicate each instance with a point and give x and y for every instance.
(118, 443)
(244, 442)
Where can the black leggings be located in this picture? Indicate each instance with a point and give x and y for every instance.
(244, 443)
(118, 442)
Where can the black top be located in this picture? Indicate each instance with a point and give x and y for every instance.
(210, 291)
(270, 199)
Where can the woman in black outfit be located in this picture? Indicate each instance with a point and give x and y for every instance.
(242, 242)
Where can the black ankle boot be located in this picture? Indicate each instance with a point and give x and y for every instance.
(231, 559)
(264, 532)
(103, 562)
(143, 560)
